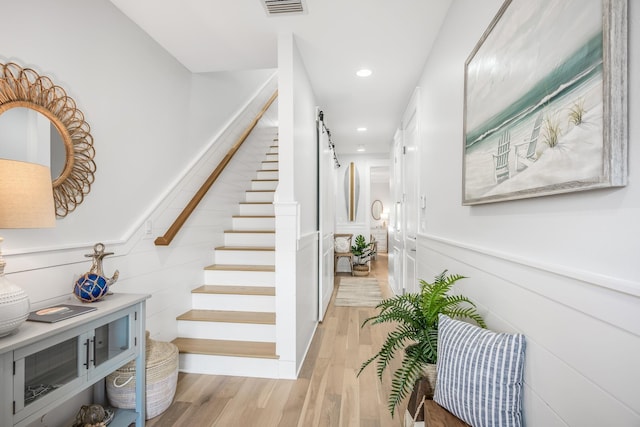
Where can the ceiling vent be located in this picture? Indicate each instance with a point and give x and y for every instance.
(280, 7)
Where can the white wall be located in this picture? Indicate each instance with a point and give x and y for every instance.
(563, 270)
(306, 194)
(215, 95)
(296, 209)
(157, 130)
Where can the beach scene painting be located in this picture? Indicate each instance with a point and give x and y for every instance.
(545, 112)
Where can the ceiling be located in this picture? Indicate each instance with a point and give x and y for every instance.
(335, 39)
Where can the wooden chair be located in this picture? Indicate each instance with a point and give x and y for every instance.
(342, 249)
(374, 246)
(501, 160)
(530, 156)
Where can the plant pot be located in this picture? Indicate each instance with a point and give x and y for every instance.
(429, 371)
(360, 270)
(423, 389)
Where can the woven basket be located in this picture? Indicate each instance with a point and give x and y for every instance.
(360, 270)
(162, 378)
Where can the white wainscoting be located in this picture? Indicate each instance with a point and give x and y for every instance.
(582, 337)
(307, 296)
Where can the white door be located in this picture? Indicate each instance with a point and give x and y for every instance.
(396, 236)
(326, 218)
(410, 174)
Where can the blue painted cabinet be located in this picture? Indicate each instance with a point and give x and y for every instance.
(45, 364)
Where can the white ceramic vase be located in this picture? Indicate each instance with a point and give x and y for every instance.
(14, 305)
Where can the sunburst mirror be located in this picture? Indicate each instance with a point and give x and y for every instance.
(25, 88)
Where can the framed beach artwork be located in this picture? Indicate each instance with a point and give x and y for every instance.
(546, 101)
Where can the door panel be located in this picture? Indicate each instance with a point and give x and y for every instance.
(410, 184)
(326, 219)
(410, 175)
(411, 284)
(404, 233)
(396, 237)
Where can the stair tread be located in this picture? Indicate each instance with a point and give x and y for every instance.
(233, 267)
(260, 191)
(235, 290)
(268, 170)
(265, 350)
(264, 180)
(256, 203)
(223, 316)
(246, 248)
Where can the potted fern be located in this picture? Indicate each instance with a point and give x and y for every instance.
(416, 332)
(362, 252)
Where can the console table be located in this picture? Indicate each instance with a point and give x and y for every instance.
(44, 364)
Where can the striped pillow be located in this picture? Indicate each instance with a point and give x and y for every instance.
(479, 374)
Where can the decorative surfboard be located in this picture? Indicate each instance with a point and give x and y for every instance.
(352, 191)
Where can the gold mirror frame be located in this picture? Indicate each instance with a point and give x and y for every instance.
(23, 87)
(376, 209)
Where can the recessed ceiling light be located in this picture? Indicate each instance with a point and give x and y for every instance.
(360, 148)
(365, 72)
(362, 129)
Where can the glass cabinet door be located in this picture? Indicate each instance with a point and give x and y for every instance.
(111, 340)
(50, 369)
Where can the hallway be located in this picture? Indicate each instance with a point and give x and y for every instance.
(326, 393)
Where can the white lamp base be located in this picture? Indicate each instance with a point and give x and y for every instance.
(14, 303)
(14, 306)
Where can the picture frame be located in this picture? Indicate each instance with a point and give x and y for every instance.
(545, 101)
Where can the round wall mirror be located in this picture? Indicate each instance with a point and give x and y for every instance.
(376, 209)
(69, 145)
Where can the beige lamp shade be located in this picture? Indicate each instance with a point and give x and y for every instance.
(26, 201)
(26, 195)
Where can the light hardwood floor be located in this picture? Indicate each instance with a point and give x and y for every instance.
(327, 392)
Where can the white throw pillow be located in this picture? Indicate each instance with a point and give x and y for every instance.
(342, 244)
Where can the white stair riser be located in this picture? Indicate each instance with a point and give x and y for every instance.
(226, 331)
(241, 278)
(259, 196)
(265, 179)
(249, 223)
(238, 257)
(264, 185)
(257, 209)
(260, 303)
(249, 239)
(267, 174)
(228, 365)
(269, 165)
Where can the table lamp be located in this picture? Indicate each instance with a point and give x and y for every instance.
(384, 216)
(26, 201)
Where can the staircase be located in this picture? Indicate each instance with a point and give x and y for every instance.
(231, 328)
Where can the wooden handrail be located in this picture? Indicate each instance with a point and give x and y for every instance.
(197, 198)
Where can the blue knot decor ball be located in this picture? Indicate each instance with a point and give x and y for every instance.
(91, 287)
